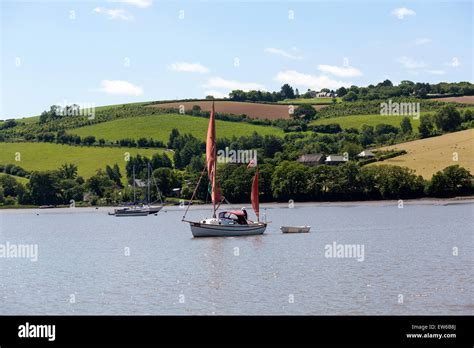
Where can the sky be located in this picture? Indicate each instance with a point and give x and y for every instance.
(120, 51)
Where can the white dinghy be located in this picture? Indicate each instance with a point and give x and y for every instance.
(295, 229)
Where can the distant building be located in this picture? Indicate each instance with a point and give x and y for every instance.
(140, 183)
(176, 192)
(335, 159)
(311, 159)
(326, 95)
(366, 154)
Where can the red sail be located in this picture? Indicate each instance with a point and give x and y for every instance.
(211, 157)
(254, 196)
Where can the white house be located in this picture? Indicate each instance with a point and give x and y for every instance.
(366, 154)
(335, 159)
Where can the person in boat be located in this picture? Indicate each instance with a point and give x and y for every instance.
(238, 217)
(244, 211)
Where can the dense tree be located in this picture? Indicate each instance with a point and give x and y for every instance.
(451, 181)
(68, 171)
(405, 126)
(305, 112)
(196, 110)
(350, 96)
(341, 92)
(114, 174)
(287, 92)
(426, 126)
(99, 183)
(448, 118)
(44, 188)
(166, 179)
(367, 135)
(383, 128)
(289, 181)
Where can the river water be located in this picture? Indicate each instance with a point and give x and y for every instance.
(412, 260)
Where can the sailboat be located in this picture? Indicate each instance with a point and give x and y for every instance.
(226, 223)
(138, 210)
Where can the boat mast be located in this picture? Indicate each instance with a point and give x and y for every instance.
(211, 159)
(134, 194)
(148, 184)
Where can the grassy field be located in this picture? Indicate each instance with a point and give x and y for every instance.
(427, 156)
(159, 128)
(313, 101)
(45, 156)
(356, 121)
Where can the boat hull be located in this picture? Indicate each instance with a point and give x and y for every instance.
(210, 230)
(135, 213)
(295, 229)
(153, 210)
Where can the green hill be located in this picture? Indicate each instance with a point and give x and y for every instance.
(356, 121)
(45, 156)
(159, 128)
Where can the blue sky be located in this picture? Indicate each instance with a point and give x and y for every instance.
(120, 51)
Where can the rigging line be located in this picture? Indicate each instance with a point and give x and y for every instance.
(194, 193)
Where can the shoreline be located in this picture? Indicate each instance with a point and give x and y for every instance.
(269, 205)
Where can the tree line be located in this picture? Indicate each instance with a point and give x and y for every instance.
(382, 90)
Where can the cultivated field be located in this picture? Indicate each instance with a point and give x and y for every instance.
(159, 128)
(356, 121)
(252, 110)
(45, 156)
(468, 99)
(427, 156)
(314, 101)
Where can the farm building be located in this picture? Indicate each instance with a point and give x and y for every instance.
(311, 159)
(326, 95)
(366, 154)
(335, 159)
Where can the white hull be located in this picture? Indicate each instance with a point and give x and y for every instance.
(295, 229)
(153, 209)
(213, 230)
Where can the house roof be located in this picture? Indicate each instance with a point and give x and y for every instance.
(310, 158)
(335, 158)
(140, 183)
(366, 153)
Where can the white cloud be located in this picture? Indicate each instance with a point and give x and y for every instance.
(216, 94)
(188, 67)
(138, 3)
(435, 72)
(219, 82)
(423, 41)
(312, 81)
(411, 63)
(454, 63)
(119, 87)
(340, 71)
(282, 53)
(403, 12)
(114, 13)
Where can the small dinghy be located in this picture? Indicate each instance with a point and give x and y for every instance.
(295, 229)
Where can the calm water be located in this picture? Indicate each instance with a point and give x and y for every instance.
(407, 252)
